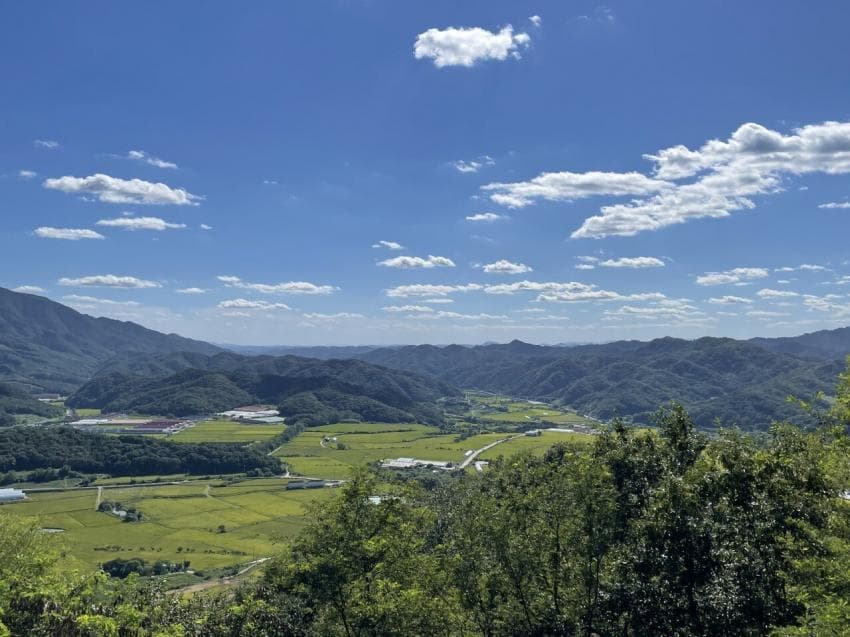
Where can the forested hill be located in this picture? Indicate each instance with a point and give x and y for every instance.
(741, 383)
(48, 347)
(305, 388)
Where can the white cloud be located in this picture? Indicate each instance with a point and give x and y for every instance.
(245, 304)
(765, 314)
(569, 186)
(204, 226)
(726, 175)
(426, 289)
(736, 275)
(288, 287)
(27, 174)
(142, 156)
(109, 281)
(70, 234)
(444, 300)
(192, 291)
(632, 262)
(114, 190)
(729, 300)
(806, 267)
(768, 293)
(46, 143)
(318, 316)
(473, 166)
(76, 299)
(389, 245)
(585, 266)
(464, 317)
(503, 266)
(406, 262)
(835, 205)
(536, 20)
(486, 217)
(468, 46)
(397, 309)
(140, 223)
(28, 289)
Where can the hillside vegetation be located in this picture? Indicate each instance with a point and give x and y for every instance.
(306, 389)
(48, 347)
(736, 382)
(15, 402)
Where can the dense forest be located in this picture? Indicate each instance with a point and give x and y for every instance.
(23, 449)
(739, 383)
(320, 391)
(662, 532)
(14, 401)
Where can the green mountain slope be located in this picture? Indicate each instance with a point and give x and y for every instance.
(307, 388)
(735, 382)
(48, 347)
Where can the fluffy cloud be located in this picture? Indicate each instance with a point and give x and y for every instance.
(632, 262)
(245, 304)
(140, 223)
(192, 291)
(569, 186)
(468, 46)
(407, 263)
(725, 176)
(28, 289)
(142, 156)
(569, 292)
(46, 143)
(503, 266)
(114, 190)
(736, 275)
(288, 287)
(474, 165)
(835, 205)
(729, 300)
(486, 217)
(426, 289)
(109, 281)
(70, 234)
(536, 20)
(389, 245)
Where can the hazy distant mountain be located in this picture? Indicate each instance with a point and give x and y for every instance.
(182, 384)
(738, 382)
(825, 344)
(323, 352)
(48, 347)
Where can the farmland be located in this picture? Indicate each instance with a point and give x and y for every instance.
(502, 409)
(227, 431)
(180, 522)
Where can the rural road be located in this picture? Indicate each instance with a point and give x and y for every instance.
(224, 581)
(99, 498)
(471, 457)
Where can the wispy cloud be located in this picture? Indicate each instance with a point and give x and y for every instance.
(473, 165)
(245, 304)
(486, 217)
(288, 287)
(68, 234)
(142, 156)
(389, 245)
(632, 262)
(835, 205)
(734, 276)
(28, 289)
(46, 143)
(27, 174)
(192, 291)
(140, 223)
(109, 281)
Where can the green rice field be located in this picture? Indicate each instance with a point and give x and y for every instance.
(179, 521)
(226, 431)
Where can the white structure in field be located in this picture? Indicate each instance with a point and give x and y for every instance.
(11, 495)
(249, 412)
(412, 463)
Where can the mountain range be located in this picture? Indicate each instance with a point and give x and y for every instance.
(47, 347)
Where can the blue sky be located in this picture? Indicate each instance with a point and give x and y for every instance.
(550, 171)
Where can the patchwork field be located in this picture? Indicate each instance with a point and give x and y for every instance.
(226, 431)
(502, 409)
(537, 445)
(179, 521)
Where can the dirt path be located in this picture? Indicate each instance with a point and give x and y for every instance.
(98, 499)
(221, 582)
(471, 457)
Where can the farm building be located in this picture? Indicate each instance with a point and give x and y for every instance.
(11, 495)
(249, 412)
(413, 463)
